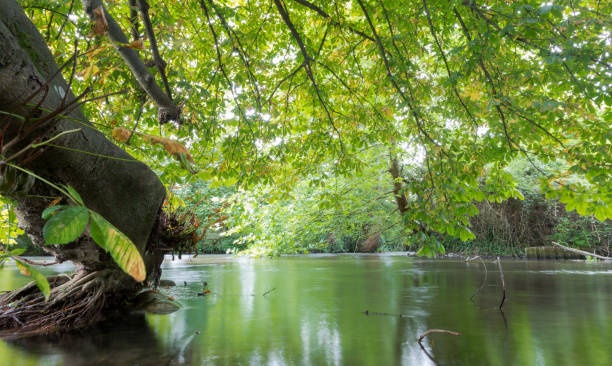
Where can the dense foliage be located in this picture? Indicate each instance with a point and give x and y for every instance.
(308, 104)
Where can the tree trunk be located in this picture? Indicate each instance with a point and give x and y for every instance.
(126, 192)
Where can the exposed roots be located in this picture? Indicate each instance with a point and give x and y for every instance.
(74, 302)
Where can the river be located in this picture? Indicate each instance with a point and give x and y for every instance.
(311, 310)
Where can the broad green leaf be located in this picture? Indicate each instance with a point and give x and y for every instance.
(120, 247)
(600, 213)
(66, 226)
(464, 234)
(39, 278)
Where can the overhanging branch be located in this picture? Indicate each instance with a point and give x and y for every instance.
(307, 66)
(159, 62)
(168, 111)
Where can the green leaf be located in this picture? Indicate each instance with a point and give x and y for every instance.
(50, 211)
(74, 195)
(120, 247)
(465, 234)
(66, 226)
(425, 251)
(18, 251)
(39, 278)
(186, 164)
(600, 213)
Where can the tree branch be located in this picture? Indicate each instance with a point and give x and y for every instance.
(383, 54)
(159, 62)
(433, 33)
(437, 331)
(168, 111)
(223, 72)
(134, 20)
(241, 52)
(490, 82)
(307, 65)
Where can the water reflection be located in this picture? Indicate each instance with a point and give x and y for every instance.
(315, 316)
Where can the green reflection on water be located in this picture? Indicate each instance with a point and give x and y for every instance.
(556, 313)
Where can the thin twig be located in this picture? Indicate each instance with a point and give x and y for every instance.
(138, 115)
(448, 71)
(307, 66)
(241, 53)
(383, 53)
(487, 75)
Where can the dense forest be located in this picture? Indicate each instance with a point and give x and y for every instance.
(134, 129)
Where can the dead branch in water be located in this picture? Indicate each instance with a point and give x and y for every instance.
(437, 331)
(484, 279)
(582, 252)
(503, 283)
(428, 332)
(368, 312)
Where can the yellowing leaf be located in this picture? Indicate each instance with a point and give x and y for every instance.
(173, 147)
(23, 269)
(137, 44)
(118, 245)
(472, 92)
(121, 134)
(39, 278)
(55, 201)
(96, 51)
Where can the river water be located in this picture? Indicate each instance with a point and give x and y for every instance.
(311, 310)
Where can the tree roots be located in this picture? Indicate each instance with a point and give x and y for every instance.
(74, 302)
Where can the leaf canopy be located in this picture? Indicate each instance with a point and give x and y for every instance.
(271, 91)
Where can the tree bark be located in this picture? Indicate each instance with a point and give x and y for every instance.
(111, 182)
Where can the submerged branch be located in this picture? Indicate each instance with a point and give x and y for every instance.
(484, 279)
(422, 336)
(503, 283)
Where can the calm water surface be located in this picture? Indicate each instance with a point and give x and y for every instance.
(310, 311)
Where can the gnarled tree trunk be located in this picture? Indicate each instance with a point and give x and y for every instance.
(126, 192)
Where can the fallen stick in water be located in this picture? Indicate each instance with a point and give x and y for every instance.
(267, 292)
(582, 252)
(437, 331)
(484, 279)
(503, 283)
